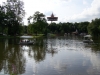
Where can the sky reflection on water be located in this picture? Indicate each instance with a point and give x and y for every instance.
(58, 56)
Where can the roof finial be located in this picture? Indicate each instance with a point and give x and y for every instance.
(52, 15)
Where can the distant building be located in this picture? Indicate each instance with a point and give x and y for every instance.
(52, 18)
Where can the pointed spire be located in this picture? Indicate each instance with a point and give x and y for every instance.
(52, 15)
(52, 18)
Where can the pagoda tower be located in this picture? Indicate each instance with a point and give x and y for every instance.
(52, 18)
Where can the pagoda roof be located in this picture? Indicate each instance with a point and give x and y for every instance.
(52, 18)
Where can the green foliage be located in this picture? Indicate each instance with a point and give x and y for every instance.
(62, 31)
(39, 24)
(11, 16)
(52, 35)
(30, 29)
(68, 27)
(38, 36)
(94, 27)
(2, 18)
(52, 27)
(82, 27)
(15, 13)
(21, 30)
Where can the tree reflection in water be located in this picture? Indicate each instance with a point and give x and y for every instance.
(12, 60)
(52, 50)
(13, 57)
(96, 45)
(36, 51)
(39, 50)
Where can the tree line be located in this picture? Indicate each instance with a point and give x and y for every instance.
(39, 25)
(11, 22)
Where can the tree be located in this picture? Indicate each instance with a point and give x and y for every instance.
(39, 22)
(82, 27)
(15, 13)
(29, 19)
(30, 29)
(94, 27)
(2, 18)
(52, 27)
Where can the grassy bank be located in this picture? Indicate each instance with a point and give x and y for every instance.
(38, 36)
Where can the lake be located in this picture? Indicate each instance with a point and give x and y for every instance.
(49, 56)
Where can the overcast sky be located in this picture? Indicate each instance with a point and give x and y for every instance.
(65, 10)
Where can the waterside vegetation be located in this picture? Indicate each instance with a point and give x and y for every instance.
(11, 23)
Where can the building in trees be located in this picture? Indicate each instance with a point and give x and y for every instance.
(52, 18)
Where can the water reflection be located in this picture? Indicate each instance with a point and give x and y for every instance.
(12, 60)
(96, 47)
(52, 56)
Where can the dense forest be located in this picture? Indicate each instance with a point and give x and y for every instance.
(11, 22)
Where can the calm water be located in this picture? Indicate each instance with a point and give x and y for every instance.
(52, 56)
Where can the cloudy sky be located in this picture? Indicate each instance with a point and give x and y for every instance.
(65, 10)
